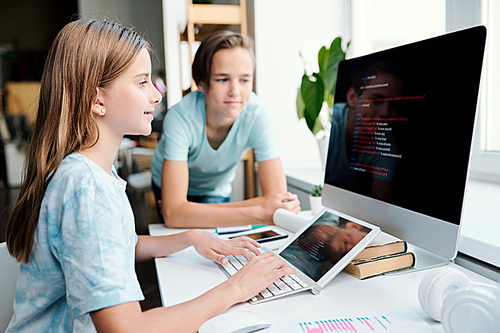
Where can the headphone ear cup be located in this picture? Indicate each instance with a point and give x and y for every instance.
(436, 286)
(472, 310)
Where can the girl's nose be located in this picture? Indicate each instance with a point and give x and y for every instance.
(156, 96)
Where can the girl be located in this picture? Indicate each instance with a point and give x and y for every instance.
(205, 136)
(72, 227)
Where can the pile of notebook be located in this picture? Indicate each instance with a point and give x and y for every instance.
(385, 254)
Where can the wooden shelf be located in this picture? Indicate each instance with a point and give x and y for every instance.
(215, 15)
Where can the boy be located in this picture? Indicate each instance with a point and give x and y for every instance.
(205, 136)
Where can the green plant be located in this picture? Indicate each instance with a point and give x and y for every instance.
(317, 88)
(316, 191)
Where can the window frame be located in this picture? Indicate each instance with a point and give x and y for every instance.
(484, 165)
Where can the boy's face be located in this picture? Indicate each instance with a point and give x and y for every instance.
(230, 83)
(375, 102)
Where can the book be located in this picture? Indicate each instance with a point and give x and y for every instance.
(382, 246)
(364, 269)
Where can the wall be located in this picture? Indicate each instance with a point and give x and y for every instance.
(33, 24)
(27, 29)
(145, 16)
(283, 28)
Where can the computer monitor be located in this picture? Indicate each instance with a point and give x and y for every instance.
(401, 138)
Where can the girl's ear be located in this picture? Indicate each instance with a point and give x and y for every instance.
(200, 87)
(97, 105)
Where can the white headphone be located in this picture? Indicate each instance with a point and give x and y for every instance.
(447, 295)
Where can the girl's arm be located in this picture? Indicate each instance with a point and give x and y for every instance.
(179, 213)
(258, 273)
(208, 245)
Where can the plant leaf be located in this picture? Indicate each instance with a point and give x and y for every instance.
(335, 56)
(329, 99)
(320, 87)
(301, 106)
(323, 54)
(318, 126)
(312, 94)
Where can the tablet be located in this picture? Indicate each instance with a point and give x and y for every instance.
(323, 247)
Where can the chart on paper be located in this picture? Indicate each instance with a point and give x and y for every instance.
(358, 324)
(392, 321)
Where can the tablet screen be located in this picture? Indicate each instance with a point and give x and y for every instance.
(323, 244)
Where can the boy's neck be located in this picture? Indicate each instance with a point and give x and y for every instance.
(216, 137)
(216, 127)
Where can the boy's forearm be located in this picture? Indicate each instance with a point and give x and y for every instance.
(194, 215)
(245, 203)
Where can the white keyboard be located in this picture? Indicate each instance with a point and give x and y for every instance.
(278, 287)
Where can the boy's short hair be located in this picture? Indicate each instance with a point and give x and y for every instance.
(223, 39)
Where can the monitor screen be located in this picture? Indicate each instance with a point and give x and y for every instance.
(402, 128)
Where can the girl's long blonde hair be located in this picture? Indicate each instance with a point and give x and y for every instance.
(85, 55)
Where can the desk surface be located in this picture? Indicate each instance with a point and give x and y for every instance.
(186, 275)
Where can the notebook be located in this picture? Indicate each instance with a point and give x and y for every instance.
(319, 251)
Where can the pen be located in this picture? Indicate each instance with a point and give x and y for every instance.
(239, 228)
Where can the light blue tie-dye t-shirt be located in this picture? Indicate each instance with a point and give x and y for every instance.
(83, 255)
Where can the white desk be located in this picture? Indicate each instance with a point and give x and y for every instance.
(186, 275)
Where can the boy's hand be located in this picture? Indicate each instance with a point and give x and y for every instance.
(287, 201)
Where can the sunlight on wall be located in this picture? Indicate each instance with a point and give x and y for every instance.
(283, 28)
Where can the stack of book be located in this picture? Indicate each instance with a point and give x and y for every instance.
(385, 254)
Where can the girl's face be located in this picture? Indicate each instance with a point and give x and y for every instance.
(130, 100)
(230, 83)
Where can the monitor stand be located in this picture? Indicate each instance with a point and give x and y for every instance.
(423, 260)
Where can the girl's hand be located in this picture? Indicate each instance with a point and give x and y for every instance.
(213, 248)
(257, 274)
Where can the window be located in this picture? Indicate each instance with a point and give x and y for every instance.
(485, 161)
(491, 78)
(380, 24)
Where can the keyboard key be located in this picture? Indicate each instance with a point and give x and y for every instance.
(273, 288)
(281, 291)
(230, 269)
(237, 264)
(282, 285)
(291, 282)
(299, 281)
(241, 259)
(265, 293)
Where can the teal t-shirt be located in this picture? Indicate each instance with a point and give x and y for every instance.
(83, 255)
(212, 171)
